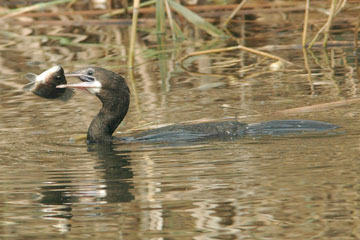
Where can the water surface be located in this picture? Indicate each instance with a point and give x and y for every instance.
(289, 187)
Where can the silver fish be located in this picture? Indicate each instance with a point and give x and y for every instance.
(44, 85)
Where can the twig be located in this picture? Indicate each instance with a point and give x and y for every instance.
(234, 12)
(18, 11)
(317, 35)
(319, 107)
(328, 25)
(339, 8)
(315, 45)
(124, 22)
(181, 60)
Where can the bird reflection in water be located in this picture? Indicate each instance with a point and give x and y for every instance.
(61, 196)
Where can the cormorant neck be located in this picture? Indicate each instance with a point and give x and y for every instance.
(108, 119)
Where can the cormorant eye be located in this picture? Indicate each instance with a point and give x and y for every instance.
(90, 72)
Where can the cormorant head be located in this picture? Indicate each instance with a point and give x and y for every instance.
(103, 83)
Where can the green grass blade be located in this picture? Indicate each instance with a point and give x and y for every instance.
(160, 17)
(196, 19)
(179, 34)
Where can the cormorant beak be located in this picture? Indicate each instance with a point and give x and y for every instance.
(81, 76)
(88, 83)
(78, 85)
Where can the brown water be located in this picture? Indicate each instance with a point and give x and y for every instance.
(293, 187)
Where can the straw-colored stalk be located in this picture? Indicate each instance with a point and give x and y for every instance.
(238, 47)
(133, 33)
(328, 25)
(306, 20)
(18, 11)
(356, 33)
(169, 15)
(234, 12)
(123, 10)
(335, 10)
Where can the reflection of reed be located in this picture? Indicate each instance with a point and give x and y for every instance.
(307, 67)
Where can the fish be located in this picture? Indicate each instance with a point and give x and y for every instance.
(44, 85)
